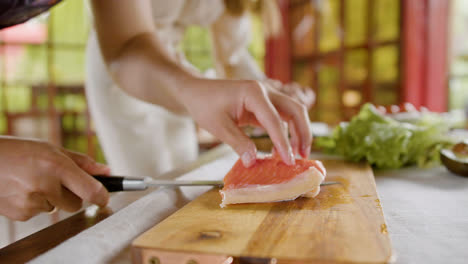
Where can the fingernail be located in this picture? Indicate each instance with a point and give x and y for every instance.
(305, 151)
(296, 151)
(247, 159)
(290, 157)
(104, 200)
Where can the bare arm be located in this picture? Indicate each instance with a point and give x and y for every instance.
(134, 56)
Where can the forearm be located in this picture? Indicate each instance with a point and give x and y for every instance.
(136, 60)
(143, 70)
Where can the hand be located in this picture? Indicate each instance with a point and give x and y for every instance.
(304, 95)
(36, 177)
(222, 106)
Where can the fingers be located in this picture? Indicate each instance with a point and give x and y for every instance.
(258, 104)
(294, 137)
(48, 207)
(24, 207)
(38, 203)
(64, 199)
(82, 184)
(309, 97)
(301, 135)
(231, 134)
(87, 164)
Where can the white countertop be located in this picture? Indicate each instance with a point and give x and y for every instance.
(427, 214)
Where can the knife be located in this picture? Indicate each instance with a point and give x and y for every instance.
(119, 183)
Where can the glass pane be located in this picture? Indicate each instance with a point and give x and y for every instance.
(458, 52)
(76, 143)
(25, 64)
(81, 123)
(42, 101)
(68, 66)
(257, 44)
(68, 123)
(302, 21)
(328, 75)
(68, 142)
(303, 74)
(459, 66)
(328, 96)
(31, 126)
(99, 153)
(68, 23)
(352, 98)
(387, 19)
(330, 116)
(330, 26)
(3, 124)
(458, 96)
(385, 64)
(356, 66)
(81, 144)
(74, 122)
(356, 22)
(386, 94)
(18, 98)
(197, 47)
(74, 102)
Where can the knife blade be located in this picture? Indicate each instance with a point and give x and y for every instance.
(120, 183)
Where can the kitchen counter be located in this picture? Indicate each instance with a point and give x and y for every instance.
(425, 209)
(427, 214)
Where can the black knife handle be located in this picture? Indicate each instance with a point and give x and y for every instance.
(112, 183)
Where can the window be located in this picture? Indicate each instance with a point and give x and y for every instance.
(458, 78)
(347, 51)
(42, 75)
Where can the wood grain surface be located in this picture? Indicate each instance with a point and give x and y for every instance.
(343, 224)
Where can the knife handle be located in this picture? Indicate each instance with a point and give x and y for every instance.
(111, 183)
(119, 183)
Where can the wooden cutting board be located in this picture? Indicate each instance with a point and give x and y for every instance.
(343, 224)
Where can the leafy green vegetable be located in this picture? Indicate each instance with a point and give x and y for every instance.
(387, 143)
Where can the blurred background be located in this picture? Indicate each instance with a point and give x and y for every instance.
(348, 51)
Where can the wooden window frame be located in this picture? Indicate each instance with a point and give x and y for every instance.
(423, 53)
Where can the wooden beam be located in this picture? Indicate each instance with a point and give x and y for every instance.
(278, 50)
(436, 92)
(425, 67)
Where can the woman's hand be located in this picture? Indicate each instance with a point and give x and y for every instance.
(222, 106)
(36, 177)
(304, 95)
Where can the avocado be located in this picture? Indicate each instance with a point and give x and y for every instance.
(456, 158)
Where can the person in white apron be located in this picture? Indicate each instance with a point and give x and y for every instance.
(137, 135)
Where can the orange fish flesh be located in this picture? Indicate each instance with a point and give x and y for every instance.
(271, 180)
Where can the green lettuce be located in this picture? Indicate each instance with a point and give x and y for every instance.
(387, 143)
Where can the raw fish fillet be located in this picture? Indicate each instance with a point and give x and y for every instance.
(271, 180)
